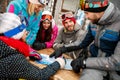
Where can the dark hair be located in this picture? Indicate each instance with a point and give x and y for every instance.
(48, 33)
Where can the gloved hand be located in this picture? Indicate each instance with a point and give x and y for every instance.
(61, 61)
(77, 64)
(58, 52)
(35, 56)
(38, 46)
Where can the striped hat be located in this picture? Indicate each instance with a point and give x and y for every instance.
(11, 26)
(94, 5)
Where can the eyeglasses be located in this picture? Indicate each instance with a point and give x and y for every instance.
(44, 2)
(46, 17)
(67, 15)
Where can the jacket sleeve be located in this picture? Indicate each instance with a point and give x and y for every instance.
(53, 37)
(88, 39)
(14, 7)
(58, 41)
(15, 65)
(106, 63)
(80, 36)
(32, 29)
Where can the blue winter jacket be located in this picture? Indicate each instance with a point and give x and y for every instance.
(20, 8)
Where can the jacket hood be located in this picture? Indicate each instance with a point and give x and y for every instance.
(110, 15)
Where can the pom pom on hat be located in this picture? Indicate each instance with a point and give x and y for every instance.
(94, 5)
(9, 21)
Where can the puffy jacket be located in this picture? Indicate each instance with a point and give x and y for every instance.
(19, 7)
(106, 41)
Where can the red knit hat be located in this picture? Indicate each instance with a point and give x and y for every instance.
(67, 16)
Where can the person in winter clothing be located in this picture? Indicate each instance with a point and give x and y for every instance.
(30, 11)
(14, 65)
(69, 35)
(11, 32)
(47, 33)
(104, 32)
(13, 53)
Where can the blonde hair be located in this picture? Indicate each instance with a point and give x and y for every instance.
(31, 8)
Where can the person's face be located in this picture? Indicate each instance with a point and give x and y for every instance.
(46, 24)
(39, 7)
(69, 25)
(93, 17)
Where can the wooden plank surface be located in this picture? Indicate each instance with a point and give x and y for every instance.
(61, 74)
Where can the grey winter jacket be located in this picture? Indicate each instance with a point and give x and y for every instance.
(107, 41)
(67, 38)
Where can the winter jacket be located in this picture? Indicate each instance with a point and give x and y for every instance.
(19, 7)
(13, 65)
(49, 44)
(67, 38)
(106, 41)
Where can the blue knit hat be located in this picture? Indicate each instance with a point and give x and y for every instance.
(94, 5)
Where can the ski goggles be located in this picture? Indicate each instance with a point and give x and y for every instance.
(44, 2)
(66, 15)
(46, 17)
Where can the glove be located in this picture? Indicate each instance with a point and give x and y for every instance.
(77, 64)
(35, 56)
(38, 46)
(58, 52)
(61, 61)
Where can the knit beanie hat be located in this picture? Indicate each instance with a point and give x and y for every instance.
(11, 26)
(66, 16)
(46, 15)
(94, 5)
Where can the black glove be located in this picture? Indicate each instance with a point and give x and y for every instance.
(58, 52)
(38, 46)
(77, 64)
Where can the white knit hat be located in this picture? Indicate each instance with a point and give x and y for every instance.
(38, 2)
(46, 13)
(10, 21)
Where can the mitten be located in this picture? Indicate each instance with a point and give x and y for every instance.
(77, 64)
(35, 56)
(58, 52)
(38, 46)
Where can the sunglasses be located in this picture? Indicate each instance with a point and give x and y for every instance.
(67, 15)
(44, 2)
(46, 17)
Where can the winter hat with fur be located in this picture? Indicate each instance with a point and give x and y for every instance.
(94, 5)
(11, 26)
